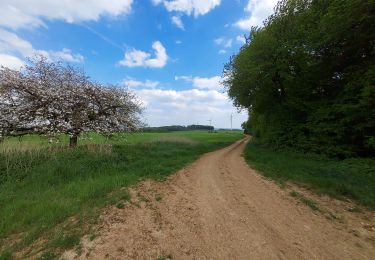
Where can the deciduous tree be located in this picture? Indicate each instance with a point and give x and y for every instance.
(53, 98)
(307, 77)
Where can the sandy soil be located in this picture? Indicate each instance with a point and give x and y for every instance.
(219, 208)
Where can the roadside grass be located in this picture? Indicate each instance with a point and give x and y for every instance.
(52, 191)
(308, 202)
(352, 178)
(167, 257)
(5, 255)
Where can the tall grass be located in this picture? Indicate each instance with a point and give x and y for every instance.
(351, 178)
(43, 185)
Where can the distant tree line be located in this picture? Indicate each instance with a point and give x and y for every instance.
(172, 128)
(307, 77)
(53, 98)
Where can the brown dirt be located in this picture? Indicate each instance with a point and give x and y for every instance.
(219, 208)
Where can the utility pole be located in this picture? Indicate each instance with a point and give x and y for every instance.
(210, 120)
(231, 122)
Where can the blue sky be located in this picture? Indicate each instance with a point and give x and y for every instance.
(169, 52)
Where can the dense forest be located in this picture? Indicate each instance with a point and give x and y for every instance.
(307, 77)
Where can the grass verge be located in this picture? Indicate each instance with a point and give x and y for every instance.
(351, 178)
(308, 202)
(42, 190)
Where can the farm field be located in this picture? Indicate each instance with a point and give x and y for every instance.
(43, 185)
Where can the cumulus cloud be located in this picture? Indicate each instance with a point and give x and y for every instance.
(176, 20)
(138, 58)
(16, 14)
(213, 83)
(66, 55)
(10, 61)
(133, 83)
(193, 106)
(203, 101)
(223, 42)
(19, 13)
(189, 7)
(11, 43)
(14, 48)
(258, 10)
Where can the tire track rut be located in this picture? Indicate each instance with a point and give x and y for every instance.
(219, 208)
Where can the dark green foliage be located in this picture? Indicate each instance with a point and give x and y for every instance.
(5, 255)
(352, 178)
(308, 77)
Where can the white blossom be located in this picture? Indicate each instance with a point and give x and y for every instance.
(53, 98)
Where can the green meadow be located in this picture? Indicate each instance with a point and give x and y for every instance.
(50, 191)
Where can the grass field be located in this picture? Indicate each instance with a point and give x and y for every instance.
(43, 185)
(351, 178)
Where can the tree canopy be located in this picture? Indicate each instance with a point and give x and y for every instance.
(307, 77)
(53, 98)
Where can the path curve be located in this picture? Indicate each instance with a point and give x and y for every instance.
(219, 208)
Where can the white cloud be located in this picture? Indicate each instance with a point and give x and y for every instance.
(137, 58)
(10, 61)
(222, 51)
(19, 13)
(170, 107)
(13, 48)
(258, 10)
(178, 42)
(202, 102)
(189, 7)
(11, 43)
(133, 83)
(241, 39)
(176, 20)
(213, 83)
(225, 43)
(66, 55)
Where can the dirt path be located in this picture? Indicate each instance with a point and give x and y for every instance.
(218, 208)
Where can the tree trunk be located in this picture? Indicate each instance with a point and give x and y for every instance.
(2, 136)
(73, 141)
